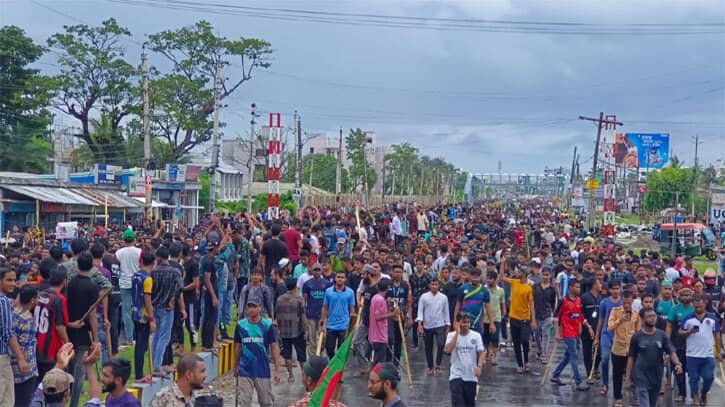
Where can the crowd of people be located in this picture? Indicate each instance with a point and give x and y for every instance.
(466, 280)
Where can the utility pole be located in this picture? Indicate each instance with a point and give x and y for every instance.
(573, 167)
(600, 122)
(382, 190)
(694, 177)
(215, 137)
(146, 133)
(338, 172)
(298, 159)
(252, 157)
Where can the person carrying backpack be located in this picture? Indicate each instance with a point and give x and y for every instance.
(259, 292)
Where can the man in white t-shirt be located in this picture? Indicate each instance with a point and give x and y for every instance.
(463, 345)
(129, 258)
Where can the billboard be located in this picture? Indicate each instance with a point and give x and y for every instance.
(108, 174)
(717, 206)
(644, 150)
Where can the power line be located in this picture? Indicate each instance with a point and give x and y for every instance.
(440, 24)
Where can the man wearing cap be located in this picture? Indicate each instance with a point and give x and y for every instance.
(313, 292)
(256, 340)
(55, 389)
(383, 385)
(311, 373)
(256, 291)
(129, 258)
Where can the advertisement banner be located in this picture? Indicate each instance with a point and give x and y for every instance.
(108, 174)
(137, 186)
(175, 172)
(644, 150)
(66, 230)
(717, 206)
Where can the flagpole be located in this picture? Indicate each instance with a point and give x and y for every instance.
(405, 350)
(105, 210)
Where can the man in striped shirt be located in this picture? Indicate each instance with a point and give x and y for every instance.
(8, 341)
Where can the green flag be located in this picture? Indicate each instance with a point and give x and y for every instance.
(331, 376)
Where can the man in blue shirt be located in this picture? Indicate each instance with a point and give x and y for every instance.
(603, 335)
(313, 292)
(255, 337)
(338, 308)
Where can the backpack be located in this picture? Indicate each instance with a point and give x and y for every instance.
(137, 296)
(244, 295)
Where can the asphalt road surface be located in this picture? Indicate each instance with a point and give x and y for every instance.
(499, 385)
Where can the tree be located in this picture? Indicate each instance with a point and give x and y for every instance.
(324, 169)
(94, 79)
(183, 99)
(360, 170)
(664, 185)
(402, 162)
(24, 120)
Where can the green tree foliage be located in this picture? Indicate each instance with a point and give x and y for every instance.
(323, 168)
(205, 183)
(24, 119)
(663, 186)
(360, 170)
(94, 79)
(183, 98)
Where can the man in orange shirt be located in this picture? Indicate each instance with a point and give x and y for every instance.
(521, 312)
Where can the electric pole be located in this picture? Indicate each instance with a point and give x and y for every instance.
(338, 173)
(146, 133)
(215, 137)
(600, 122)
(250, 165)
(573, 167)
(694, 177)
(298, 159)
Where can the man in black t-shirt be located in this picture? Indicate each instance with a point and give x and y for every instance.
(111, 263)
(84, 293)
(273, 250)
(190, 289)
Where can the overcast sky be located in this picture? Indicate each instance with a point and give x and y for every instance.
(470, 95)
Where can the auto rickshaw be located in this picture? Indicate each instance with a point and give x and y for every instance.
(692, 239)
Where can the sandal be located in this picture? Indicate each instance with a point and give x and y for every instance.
(618, 403)
(603, 390)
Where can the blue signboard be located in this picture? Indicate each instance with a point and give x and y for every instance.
(644, 150)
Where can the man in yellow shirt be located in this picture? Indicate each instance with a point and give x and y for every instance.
(521, 312)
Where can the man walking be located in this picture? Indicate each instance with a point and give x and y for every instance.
(645, 365)
(568, 329)
(338, 308)
(433, 324)
(256, 340)
(166, 285)
(467, 359)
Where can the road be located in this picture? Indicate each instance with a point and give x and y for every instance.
(500, 385)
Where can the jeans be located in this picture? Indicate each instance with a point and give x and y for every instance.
(647, 396)
(162, 336)
(543, 335)
(226, 309)
(619, 365)
(606, 353)
(437, 335)
(208, 322)
(333, 340)
(360, 346)
(520, 333)
(395, 340)
(192, 318)
(78, 371)
(142, 333)
(463, 394)
(700, 368)
(127, 308)
(102, 339)
(570, 357)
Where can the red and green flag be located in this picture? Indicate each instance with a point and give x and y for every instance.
(331, 376)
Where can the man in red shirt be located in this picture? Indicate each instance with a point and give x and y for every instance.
(51, 318)
(293, 239)
(568, 329)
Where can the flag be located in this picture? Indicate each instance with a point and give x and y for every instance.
(331, 376)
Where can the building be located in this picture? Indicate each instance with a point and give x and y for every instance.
(320, 143)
